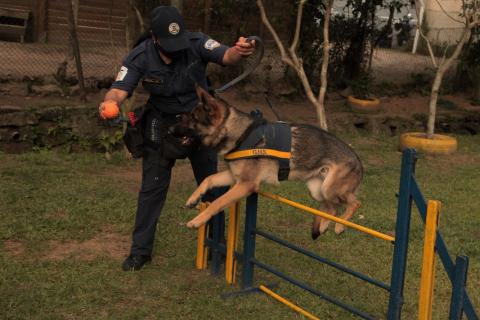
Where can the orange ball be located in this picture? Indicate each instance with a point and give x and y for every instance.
(110, 109)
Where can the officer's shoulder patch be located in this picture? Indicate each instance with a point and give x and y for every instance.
(121, 74)
(211, 44)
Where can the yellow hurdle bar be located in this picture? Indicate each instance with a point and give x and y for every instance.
(328, 216)
(202, 250)
(428, 266)
(287, 303)
(232, 236)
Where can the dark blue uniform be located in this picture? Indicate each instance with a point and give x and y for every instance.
(172, 92)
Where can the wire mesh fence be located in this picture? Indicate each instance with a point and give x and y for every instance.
(19, 60)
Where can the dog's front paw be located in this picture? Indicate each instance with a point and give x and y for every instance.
(339, 228)
(192, 202)
(194, 223)
(191, 225)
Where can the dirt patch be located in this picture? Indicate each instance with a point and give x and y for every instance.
(106, 243)
(14, 248)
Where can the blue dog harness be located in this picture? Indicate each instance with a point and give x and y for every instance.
(276, 139)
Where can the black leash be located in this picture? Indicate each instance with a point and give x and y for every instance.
(258, 46)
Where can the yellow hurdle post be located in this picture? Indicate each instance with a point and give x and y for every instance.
(328, 216)
(202, 250)
(237, 231)
(230, 263)
(287, 303)
(428, 265)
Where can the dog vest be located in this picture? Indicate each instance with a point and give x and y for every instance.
(277, 140)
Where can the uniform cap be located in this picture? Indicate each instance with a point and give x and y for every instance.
(168, 26)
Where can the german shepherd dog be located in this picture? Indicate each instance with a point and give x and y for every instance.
(330, 168)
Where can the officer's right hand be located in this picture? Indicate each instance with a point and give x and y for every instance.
(108, 109)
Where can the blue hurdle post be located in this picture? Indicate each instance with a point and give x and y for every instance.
(249, 241)
(402, 230)
(458, 290)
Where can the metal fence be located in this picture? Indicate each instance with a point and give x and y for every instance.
(19, 60)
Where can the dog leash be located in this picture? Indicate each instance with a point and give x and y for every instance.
(258, 46)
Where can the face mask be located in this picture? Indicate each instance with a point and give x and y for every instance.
(174, 55)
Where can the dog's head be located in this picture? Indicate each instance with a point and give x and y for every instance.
(207, 117)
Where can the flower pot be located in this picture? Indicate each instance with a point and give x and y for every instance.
(438, 144)
(363, 105)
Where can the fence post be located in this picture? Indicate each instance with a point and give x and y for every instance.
(402, 230)
(249, 240)
(458, 290)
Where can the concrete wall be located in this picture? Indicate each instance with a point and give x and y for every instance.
(442, 29)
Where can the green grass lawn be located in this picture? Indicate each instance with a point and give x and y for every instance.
(65, 223)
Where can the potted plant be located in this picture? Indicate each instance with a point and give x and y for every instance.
(361, 99)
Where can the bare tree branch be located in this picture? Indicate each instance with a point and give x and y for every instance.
(298, 25)
(280, 46)
(295, 62)
(429, 46)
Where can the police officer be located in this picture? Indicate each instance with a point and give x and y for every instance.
(164, 63)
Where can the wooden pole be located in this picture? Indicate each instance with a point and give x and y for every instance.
(76, 49)
(40, 20)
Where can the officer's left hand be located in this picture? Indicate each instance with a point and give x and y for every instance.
(244, 47)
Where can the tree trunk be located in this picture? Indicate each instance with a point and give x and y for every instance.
(323, 73)
(442, 68)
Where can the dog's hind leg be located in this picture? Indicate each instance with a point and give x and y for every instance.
(320, 225)
(238, 191)
(352, 205)
(219, 179)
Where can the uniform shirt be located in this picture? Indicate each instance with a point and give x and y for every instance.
(171, 86)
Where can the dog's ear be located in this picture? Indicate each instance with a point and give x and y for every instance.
(214, 107)
(202, 94)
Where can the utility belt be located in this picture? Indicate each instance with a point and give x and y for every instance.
(149, 128)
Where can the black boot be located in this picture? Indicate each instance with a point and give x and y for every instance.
(135, 262)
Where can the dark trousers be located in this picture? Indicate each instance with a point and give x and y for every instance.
(155, 181)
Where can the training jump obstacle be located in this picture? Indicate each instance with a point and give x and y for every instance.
(409, 193)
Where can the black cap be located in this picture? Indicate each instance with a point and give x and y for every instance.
(168, 26)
